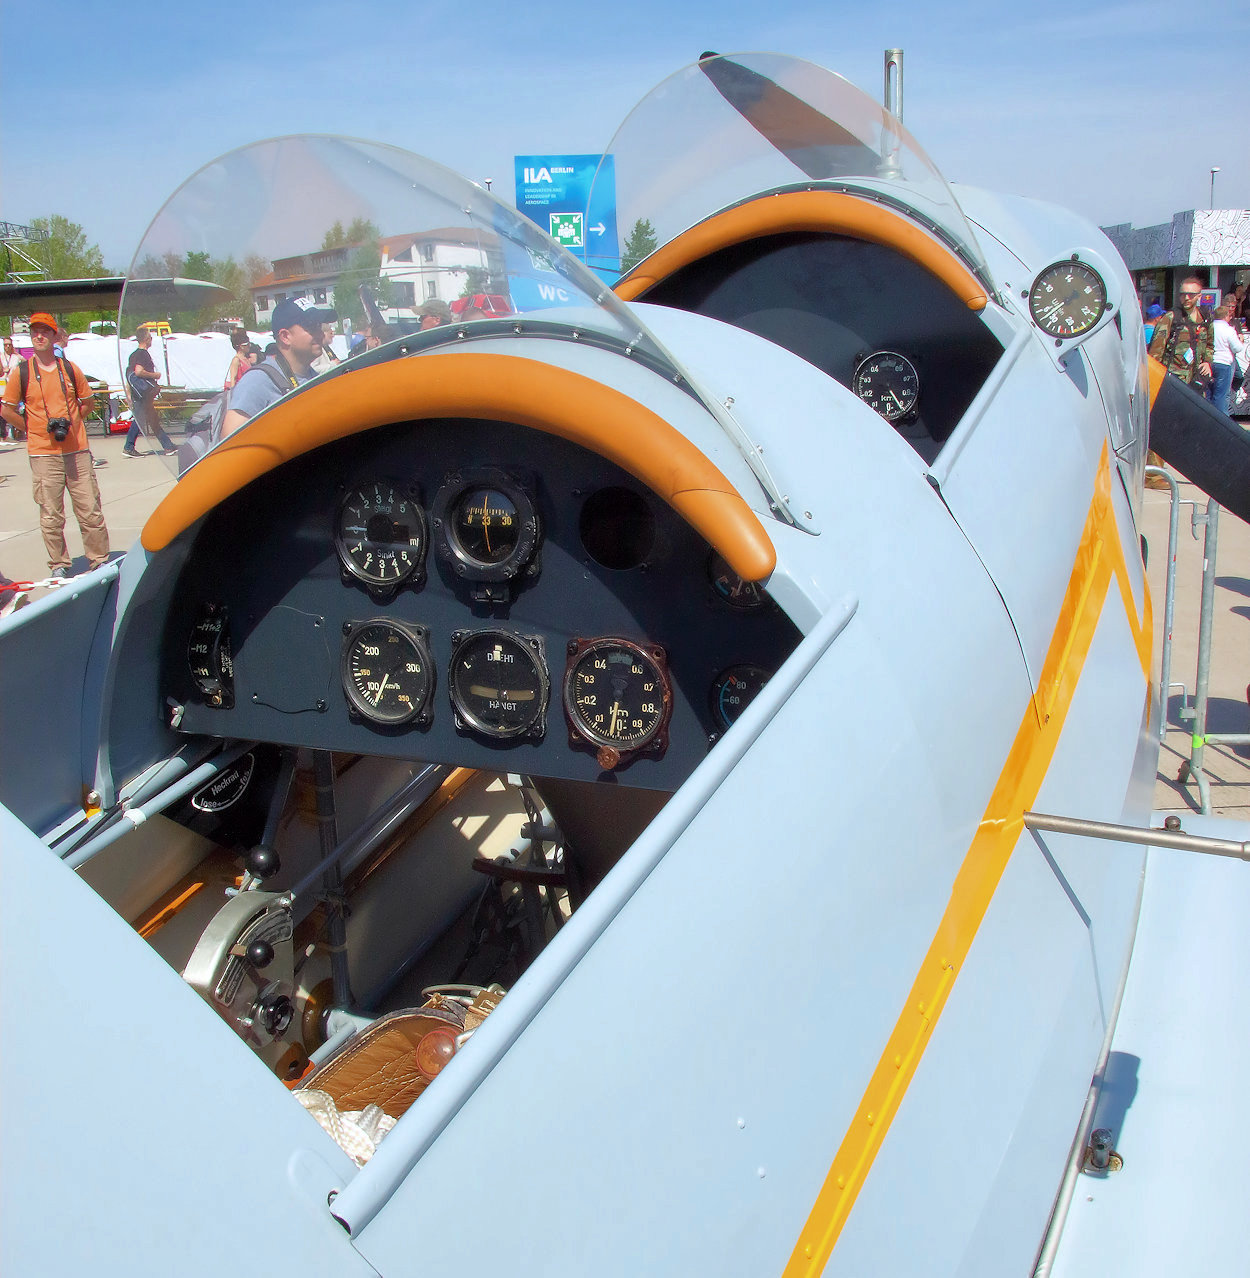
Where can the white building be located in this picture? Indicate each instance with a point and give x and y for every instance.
(419, 265)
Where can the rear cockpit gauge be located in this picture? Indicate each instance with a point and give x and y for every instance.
(498, 683)
(735, 591)
(1067, 299)
(618, 698)
(379, 533)
(209, 657)
(486, 531)
(388, 677)
(733, 690)
(887, 382)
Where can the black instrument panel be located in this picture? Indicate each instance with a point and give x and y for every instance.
(471, 593)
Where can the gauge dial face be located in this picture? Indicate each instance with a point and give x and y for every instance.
(737, 592)
(209, 658)
(498, 683)
(617, 694)
(486, 525)
(380, 533)
(387, 672)
(1067, 299)
(887, 382)
(734, 690)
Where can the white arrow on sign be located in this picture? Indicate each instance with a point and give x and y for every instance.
(598, 230)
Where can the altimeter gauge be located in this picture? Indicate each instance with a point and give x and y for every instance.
(1067, 299)
(387, 672)
(618, 698)
(888, 382)
(498, 683)
(379, 534)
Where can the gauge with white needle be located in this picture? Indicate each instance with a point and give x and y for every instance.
(387, 673)
(887, 382)
(498, 683)
(618, 697)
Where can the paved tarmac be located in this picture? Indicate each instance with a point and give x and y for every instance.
(131, 489)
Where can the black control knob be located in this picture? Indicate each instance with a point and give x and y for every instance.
(263, 862)
(275, 1014)
(260, 954)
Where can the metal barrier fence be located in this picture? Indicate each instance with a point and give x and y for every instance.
(1193, 711)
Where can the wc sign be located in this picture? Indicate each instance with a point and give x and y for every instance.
(555, 191)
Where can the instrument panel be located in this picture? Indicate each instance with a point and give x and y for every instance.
(471, 593)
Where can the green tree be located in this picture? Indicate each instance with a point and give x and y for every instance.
(359, 231)
(640, 243)
(68, 255)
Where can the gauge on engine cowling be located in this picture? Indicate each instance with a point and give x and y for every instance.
(209, 657)
(379, 533)
(887, 382)
(498, 683)
(387, 672)
(618, 698)
(1067, 299)
(486, 530)
(731, 589)
(734, 689)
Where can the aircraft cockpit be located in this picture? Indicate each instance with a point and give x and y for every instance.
(440, 633)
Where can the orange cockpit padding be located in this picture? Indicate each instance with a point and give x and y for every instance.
(505, 388)
(832, 212)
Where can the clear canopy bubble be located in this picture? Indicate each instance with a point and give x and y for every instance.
(377, 241)
(729, 128)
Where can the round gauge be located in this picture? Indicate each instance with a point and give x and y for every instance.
(1067, 299)
(485, 526)
(737, 592)
(887, 382)
(379, 533)
(617, 696)
(734, 690)
(386, 670)
(209, 658)
(498, 683)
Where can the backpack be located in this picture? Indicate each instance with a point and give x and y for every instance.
(204, 425)
(142, 389)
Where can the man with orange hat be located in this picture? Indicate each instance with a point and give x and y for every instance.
(56, 393)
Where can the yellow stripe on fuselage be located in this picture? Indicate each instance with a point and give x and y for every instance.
(1099, 557)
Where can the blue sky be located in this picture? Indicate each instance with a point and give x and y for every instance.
(1117, 110)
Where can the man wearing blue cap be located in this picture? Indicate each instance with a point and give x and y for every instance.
(298, 333)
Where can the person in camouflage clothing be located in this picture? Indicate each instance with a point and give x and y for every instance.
(1183, 340)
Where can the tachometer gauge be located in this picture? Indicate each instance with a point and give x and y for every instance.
(887, 382)
(1067, 299)
(387, 672)
(498, 683)
(729, 588)
(379, 533)
(734, 689)
(485, 529)
(618, 698)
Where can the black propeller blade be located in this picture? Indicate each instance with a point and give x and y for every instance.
(1204, 444)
